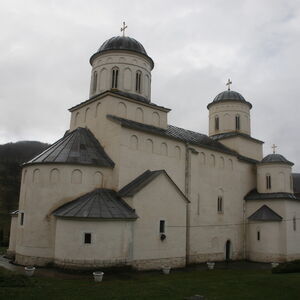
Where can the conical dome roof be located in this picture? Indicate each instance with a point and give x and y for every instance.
(276, 158)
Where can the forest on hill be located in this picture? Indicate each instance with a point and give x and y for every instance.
(12, 155)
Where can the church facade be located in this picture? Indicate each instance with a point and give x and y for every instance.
(123, 187)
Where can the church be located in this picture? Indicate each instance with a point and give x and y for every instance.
(123, 187)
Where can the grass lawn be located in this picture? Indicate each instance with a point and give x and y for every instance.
(215, 284)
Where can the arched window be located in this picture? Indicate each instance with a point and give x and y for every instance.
(268, 182)
(177, 152)
(98, 179)
(202, 158)
(220, 204)
(138, 78)
(237, 122)
(95, 78)
(139, 115)
(222, 162)
(164, 149)
(134, 142)
(294, 224)
(212, 160)
(76, 176)
(155, 119)
(217, 122)
(86, 114)
(54, 176)
(122, 110)
(114, 78)
(149, 146)
(77, 118)
(36, 176)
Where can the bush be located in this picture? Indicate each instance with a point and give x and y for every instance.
(288, 267)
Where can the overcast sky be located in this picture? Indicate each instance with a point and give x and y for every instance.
(196, 46)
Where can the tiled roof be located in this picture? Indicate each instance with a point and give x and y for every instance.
(276, 158)
(296, 183)
(144, 179)
(98, 204)
(229, 96)
(265, 213)
(232, 134)
(254, 195)
(76, 147)
(138, 183)
(177, 133)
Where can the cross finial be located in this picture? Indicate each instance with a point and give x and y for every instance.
(274, 148)
(123, 28)
(229, 82)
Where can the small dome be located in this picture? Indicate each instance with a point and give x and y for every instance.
(229, 96)
(276, 158)
(123, 43)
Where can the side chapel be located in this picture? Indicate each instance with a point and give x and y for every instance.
(124, 187)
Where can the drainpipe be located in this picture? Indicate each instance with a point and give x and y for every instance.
(187, 191)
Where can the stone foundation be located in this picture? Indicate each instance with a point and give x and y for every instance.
(156, 264)
(89, 264)
(25, 260)
(204, 257)
(266, 257)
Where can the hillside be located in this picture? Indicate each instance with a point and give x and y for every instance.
(12, 155)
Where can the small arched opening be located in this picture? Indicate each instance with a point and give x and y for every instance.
(228, 250)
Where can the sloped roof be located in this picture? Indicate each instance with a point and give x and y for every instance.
(296, 183)
(255, 195)
(76, 147)
(177, 133)
(265, 213)
(98, 204)
(226, 135)
(276, 158)
(142, 180)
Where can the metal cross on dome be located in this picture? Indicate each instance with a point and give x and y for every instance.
(123, 28)
(229, 82)
(274, 148)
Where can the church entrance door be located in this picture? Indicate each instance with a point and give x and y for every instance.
(228, 246)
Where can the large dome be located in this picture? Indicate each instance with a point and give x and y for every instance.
(276, 158)
(229, 96)
(123, 43)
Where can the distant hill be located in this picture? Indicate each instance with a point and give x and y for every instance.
(12, 155)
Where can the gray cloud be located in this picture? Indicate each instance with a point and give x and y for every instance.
(196, 45)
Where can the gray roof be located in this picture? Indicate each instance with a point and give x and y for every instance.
(265, 213)
(144, 179)
(183, 135)
(229, 96)
(296, 183)
(76, 147)
(138, 183)
(123, 43)
(123, 94)
(98, 204)
(254, 195)
(232, 134)
(276, 158)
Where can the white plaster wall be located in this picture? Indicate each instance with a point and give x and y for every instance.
(93, 114)
(215, 174)
(273, 244)
(42, 193)
(280, 178)
(159, 200)
(128, 64)
(244, 147)
(12, 236)
(111, 242)
(226, 111)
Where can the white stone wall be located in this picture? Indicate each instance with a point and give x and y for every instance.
(12, 236)
(280, 178)
(244, 146)
(111, 243)
(128, 63)
(43, 189)
(159, 200)
(227, 111)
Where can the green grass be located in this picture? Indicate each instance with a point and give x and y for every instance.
(215, 284)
